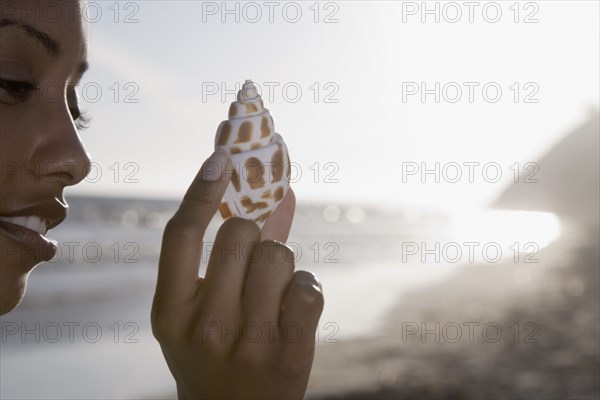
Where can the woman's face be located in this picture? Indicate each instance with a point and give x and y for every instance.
(42, 57)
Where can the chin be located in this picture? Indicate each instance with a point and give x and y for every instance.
(14, 271)
(12, 289)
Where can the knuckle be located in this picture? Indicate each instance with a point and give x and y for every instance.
(277, 252)
(181, 227)
(167, 328)
(240, 226)
(298, 364)
(253, 357)
(207, 194)
(214, 345)
(210, 332)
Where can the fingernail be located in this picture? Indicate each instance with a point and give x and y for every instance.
(290, 252)
(213, 167)
(308, 278)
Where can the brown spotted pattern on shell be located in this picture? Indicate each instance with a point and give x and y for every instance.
(260, 157)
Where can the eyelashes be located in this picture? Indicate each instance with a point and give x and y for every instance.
(17, 92)
(20, 92)
(81, 118)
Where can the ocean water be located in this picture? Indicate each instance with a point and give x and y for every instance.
(83, 329)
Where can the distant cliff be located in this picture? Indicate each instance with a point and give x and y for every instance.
(569, 178)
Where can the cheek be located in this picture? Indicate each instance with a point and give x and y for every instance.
(15, 151)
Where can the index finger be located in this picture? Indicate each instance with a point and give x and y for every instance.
(181, 250)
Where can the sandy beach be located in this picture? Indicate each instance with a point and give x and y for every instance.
(506, 331)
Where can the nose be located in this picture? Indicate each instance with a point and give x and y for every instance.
(61, 156)
(72, 161)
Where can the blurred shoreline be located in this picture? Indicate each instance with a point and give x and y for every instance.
(548, 313)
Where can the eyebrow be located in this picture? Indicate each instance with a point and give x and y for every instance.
(49, 44)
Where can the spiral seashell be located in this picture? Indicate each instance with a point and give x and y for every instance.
(261, 173)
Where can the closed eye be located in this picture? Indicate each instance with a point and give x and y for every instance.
(16, 91)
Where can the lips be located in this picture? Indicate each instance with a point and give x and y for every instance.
(34, 242)
(28, 227)
(33, 223)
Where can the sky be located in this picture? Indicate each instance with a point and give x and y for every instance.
(369, 96)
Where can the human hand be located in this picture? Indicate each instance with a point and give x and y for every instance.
(247, 329)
